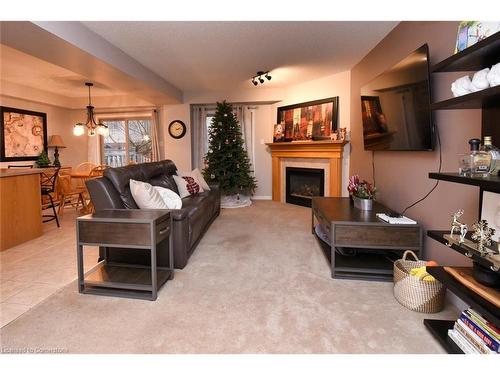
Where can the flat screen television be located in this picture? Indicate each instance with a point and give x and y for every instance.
(396, 106)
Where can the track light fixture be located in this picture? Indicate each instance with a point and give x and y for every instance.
(259, 77)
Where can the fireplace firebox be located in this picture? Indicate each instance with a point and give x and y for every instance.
(304, 183)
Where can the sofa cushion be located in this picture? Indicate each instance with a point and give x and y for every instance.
(191, 204)
(164, 181)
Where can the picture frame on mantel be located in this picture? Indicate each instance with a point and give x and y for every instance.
(316, 119)
(23, 134)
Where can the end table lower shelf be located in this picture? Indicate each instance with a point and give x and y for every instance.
(144, 231)
(128, 280)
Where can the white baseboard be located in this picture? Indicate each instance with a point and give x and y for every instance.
(262, 197)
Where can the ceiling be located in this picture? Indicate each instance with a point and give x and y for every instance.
(23, 69)
(206, 56)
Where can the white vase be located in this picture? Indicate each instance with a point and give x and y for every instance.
(363, 204)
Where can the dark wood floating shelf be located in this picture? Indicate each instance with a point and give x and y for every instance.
(475, 100)
(490, 183)
(438, 236)
(489, 311)
(481, 55)
(439, 329)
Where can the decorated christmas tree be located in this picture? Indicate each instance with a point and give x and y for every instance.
(227, 161)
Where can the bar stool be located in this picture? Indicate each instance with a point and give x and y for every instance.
(20, 166)
(48, 186)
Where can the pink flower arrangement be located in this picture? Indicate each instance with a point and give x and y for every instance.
(363, 189)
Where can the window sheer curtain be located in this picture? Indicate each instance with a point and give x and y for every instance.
(155, 142)
(199, 134)
(199, 131)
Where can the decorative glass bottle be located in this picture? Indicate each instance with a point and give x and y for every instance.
(479, 160)
(494, 155)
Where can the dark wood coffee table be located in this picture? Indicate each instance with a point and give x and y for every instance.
(124, 229)
(375, 243)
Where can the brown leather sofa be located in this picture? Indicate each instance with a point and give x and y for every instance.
(189, 223)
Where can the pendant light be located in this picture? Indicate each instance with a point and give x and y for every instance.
(93, 127)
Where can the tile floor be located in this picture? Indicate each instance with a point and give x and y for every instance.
(32, 271)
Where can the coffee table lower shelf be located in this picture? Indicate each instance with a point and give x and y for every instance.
(439, 329)
(365, 265)
(122, 280)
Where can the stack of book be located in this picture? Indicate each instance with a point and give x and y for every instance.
(474, 334)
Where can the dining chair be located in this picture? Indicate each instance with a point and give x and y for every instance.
(69, 195)
(83, 168)
(96, 172)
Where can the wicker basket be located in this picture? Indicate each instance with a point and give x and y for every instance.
(413, 292)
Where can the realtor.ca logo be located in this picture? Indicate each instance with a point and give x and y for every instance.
(26, 350)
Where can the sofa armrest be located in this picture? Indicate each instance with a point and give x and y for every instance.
(179, 214)
(214, 186)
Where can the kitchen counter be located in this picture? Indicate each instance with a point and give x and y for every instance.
(20, 206)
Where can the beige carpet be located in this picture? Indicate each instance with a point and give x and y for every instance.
(257, 283)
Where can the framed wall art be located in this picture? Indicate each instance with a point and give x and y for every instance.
(309, 120)
(23, 134)
(471, 32)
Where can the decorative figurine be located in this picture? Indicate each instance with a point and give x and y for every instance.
(463, 232)
(343, 134)
(482, 234)
(460, 227)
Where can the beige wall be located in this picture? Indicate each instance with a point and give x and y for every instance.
(59, 121)
(178, 150)
(334, 85)
(265, 118)
(402, 177)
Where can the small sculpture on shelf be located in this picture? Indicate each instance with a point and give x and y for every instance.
(457, 225)
(482, 234)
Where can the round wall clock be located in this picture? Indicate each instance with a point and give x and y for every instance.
(177, 129)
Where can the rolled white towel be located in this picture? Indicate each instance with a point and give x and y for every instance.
(493, 76)
(479, 81)
(461, 86)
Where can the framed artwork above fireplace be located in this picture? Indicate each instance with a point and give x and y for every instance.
(309, 120)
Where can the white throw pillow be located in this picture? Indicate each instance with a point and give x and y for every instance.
(198, 177)
(184, 186)
(146, 196)
(201, 181)
(171, 198)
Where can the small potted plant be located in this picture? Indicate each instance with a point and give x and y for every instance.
(43, 160)
(362, 193)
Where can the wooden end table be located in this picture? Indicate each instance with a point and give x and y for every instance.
(375, 242)
(125, 229)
